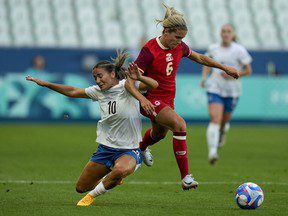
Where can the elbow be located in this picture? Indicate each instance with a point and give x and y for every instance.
(249, 72)
(155, 85)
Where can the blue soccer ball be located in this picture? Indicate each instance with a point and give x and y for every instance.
(249, 196)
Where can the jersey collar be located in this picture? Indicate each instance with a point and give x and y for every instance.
(160, 44)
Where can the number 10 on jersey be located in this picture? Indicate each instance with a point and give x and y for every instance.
(111, 107)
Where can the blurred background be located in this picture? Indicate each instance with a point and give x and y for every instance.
(61, 40)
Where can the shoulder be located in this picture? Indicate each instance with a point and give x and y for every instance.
(214, 46)
(212, 50)
(151, 42)
(94, 88)
(146, 56)
(93, 92)
(122, 83)
(119, 87)
(185, 49)
(238, 46)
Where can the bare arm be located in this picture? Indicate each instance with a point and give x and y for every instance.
(135, 73)
(205, 60)
(247, 70)
(69, 91)
(205, 71)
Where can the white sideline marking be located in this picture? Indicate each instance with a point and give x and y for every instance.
(134, 182)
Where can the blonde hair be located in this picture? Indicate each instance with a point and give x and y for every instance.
(173, 20)
(116, 65)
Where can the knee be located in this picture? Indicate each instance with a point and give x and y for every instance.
(159, 136)
(216, 119)
(80, 188)
(120, 172)
(179, 125)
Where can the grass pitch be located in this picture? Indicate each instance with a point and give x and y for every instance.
(39, 165)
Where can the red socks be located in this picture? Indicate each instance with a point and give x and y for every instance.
(147, 140)
(180, 152)
(179, 146)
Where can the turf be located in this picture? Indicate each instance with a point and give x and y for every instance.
(44, 154)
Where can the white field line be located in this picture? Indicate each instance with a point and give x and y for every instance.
(134, 182)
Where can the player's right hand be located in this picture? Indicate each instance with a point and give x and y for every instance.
(38, 81)
(147, 106)
(232, 72)
(202, 83)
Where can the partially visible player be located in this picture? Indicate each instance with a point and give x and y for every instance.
(223, 91)
(159, 59)
(118, 131)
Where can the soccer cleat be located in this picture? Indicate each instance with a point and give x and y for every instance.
(213, 159)
(221, 140)
(188, 182)
(86, 201)
(120, 182)
(147, 157)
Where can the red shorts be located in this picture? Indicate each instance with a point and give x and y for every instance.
(159, 105)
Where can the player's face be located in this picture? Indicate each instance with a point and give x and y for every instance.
(173, 39)
(103, 78)
(227, 34)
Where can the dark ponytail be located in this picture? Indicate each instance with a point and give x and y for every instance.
(116, 65)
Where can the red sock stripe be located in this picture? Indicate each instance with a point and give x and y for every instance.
(179, 133)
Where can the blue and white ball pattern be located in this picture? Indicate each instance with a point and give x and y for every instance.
(249, 196)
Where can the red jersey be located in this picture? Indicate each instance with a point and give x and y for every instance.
(161, 64)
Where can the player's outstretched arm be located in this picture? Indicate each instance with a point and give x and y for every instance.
(205, 60)
(69, 91)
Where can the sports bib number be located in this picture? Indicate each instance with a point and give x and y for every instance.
(112, 107)
(169, 68)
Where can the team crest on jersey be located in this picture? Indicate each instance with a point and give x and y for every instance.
(169, 57)
(157, 103)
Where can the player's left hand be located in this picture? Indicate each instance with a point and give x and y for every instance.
(232, 72)
(148, 107)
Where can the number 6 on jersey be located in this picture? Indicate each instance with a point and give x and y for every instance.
(169, 68)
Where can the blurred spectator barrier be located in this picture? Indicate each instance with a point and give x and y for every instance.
(264, 99)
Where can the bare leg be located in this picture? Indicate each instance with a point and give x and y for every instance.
(224, 127)
(124, 166)
(90, 176)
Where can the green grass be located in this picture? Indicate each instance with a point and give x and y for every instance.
(38, 153)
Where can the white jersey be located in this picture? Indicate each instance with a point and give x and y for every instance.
(120, 125)
(235, 56)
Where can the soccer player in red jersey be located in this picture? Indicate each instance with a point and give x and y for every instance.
(159, 59)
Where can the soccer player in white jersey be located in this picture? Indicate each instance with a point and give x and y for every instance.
(223, 91)
(118, 131)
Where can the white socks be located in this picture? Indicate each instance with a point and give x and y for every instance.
(98, 190)
(226, 127)
(212, 134)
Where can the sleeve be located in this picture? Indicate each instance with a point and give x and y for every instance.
(145, 58)
(244, 57)
(209, 52)
(91, 92)
(186, 50)
(137, 84)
